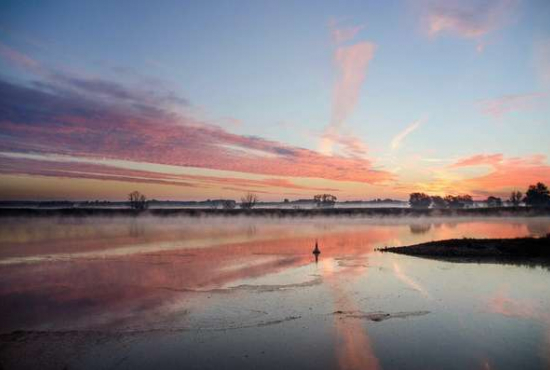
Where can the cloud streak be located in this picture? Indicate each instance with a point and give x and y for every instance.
(479, 160)
(396, 142)
(467, 18)
(511, 173)
(352, 62)
(341, 35)
(542, 60)
(18, 59)
(85, 168)
(504, 105)
(91, 118)
(504, 174)
(483, 174)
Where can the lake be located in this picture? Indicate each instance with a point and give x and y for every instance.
(247, 293)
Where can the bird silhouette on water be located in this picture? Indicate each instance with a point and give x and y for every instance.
(316, 251)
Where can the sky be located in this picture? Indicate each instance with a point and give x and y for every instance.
(190, 100)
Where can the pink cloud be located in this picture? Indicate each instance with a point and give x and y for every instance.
(69, 124)
(467, 18)
(18, 59)
(505, 174)
(352, 62)
(502, 175)
(89, 118)
(341, 35)
(86, 169)
(501, 106)
(350, 145)
(478, 160)
(542, 60)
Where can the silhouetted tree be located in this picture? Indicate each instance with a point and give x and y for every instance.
(420, 200)
(438, 202)
(494, 202)
(229, 204)
(249, 201)
(537, 196)
(137, 200)
(466, 200)
(515, 198)
(459, 201)
(324, 200)
(451, 201)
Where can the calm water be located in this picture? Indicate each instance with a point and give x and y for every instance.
(247, 293)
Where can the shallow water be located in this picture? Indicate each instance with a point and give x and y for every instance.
(247, 293)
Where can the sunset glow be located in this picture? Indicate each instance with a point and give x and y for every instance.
(362, 100)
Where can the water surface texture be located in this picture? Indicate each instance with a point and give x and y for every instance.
(138, 293)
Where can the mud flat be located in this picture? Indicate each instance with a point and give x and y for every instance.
(516, 249)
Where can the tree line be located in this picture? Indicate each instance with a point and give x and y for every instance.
(139, 202)
(535, 196)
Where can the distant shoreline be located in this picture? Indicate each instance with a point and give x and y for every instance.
(276, 212)
(479, 250)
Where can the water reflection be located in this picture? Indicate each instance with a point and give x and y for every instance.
(136, 229)
(316, 251)
(502, 303)
(164, 274)
(538, 227)
(420, 228)
(409, 281)
(353, 345)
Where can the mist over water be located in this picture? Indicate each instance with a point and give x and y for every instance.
(247, 293)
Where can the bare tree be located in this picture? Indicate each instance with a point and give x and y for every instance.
(137, 200)
(325, 200)
(459, 201)
(249, 200)
(438, 202)
(515, 198)
(494, 201)
(420, 200)
(229, 204)
(537, 195)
